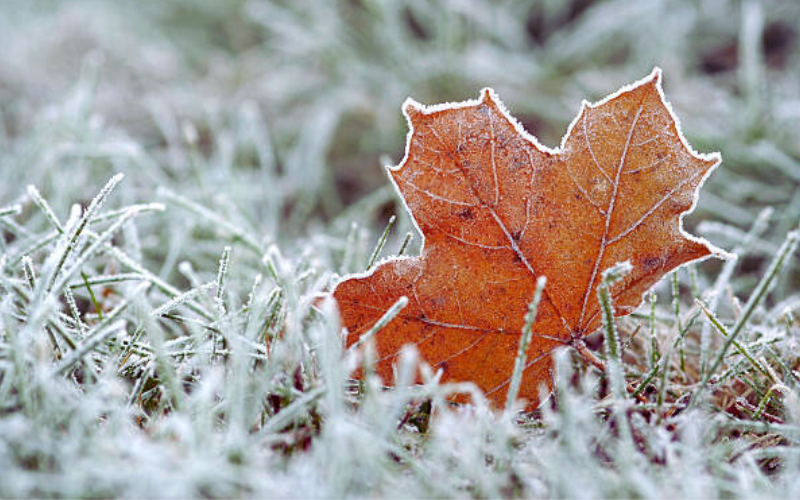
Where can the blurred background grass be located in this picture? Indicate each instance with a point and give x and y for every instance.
(291, 104)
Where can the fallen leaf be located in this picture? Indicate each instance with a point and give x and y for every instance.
(497, 210)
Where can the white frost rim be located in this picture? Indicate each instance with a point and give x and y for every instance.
(411, 108)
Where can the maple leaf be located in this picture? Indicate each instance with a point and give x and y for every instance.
(497, 210)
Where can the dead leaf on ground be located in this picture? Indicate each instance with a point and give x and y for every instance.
(497, 209)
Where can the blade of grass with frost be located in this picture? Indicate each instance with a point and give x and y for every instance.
(219, 302)
(215, 219)
(140, 208)
(32, 249)
(88, 345)
(403, 246)
(615, 369)
(259, 350)
(109, 279)
(712, 318)
(99, 333)
(786, 250)
(694, 280)
(676, 311)
(59, 322)
(407, 367)
(167, 372)
(654, 354)
(326, 343)
(30, 274)
(237, 401)
(11, 210)
(305, 275)
(790, 375)
(384, 320)
(187, 271)
(95, 246)
(381, 242)
(222, 271)
(660, 363)
(41, 301)
(136, 390)
(40, 202)
(97, 307)
(247, 309)
(126, 352)
(76, 315)
(609, 277)
(524, 341)
(209, 327)
(16, 353)
(274, 308)
(294, 410)
(182, 299)
(724, 277)
(256, 311)
(159, 283)
(74, 234)
(762, 405)
(42, 241)
(14, 228)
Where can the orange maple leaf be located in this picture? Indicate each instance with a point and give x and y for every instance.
(497, 210)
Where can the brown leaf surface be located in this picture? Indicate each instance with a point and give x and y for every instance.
(497, 210)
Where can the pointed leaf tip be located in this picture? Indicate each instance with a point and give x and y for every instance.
(488, 96)
(412, 109)
(655, 75)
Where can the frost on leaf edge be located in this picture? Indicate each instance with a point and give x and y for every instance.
(411, 108)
